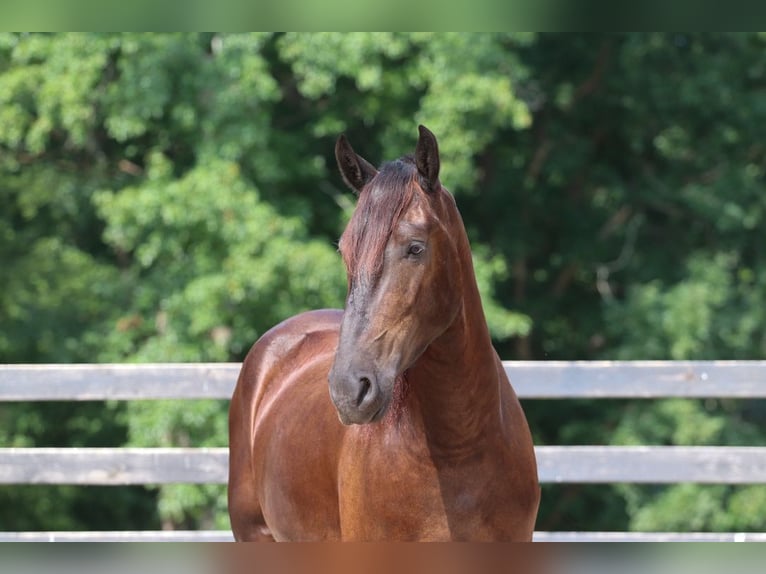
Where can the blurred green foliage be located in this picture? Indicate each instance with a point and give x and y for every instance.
(169, 197)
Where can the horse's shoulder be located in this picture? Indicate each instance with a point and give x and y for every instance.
(312, 327)
(318, 323)
(312, 321)
(298, 340)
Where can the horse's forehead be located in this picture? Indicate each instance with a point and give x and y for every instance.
(418, 214)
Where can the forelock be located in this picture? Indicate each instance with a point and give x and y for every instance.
(381, 205)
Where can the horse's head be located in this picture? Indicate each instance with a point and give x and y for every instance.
(401, 257)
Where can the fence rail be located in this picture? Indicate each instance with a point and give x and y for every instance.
(532, 380)
(556, 464)
(226, 536)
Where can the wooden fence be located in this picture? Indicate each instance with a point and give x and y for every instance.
(532, 380)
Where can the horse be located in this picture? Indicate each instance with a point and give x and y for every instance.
(421, 436)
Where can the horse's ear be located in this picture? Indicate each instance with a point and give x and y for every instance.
(356, 170)
(427, 158)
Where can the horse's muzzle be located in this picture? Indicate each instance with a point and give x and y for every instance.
(357, 398)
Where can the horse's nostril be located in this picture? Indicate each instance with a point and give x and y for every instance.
(364, 389)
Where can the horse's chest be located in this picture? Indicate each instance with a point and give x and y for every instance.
(408, 496)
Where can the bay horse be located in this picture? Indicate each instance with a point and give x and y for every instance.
(421, 436)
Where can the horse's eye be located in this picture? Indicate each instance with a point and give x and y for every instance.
(415, 249)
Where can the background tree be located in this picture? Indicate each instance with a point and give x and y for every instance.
(169, 197)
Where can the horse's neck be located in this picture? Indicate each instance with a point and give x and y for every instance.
(456, 379)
